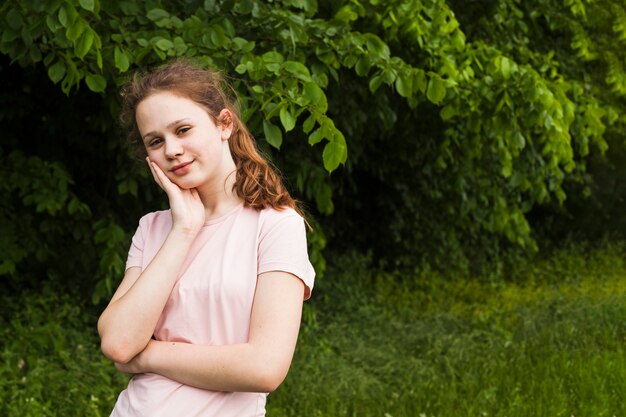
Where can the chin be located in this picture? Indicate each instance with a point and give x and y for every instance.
(186, 183)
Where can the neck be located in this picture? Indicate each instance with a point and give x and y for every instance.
(219, 199)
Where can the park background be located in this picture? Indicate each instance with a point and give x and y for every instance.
(462, 164)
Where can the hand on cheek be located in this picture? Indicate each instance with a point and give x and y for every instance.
(186, 205)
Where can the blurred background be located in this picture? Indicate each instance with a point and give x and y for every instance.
(462, 163)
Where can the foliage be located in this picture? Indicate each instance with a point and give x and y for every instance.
(443, 123)
(548, 343)
(50, 362)
(544, 339)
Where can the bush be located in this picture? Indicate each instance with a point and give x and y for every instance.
(51, 363)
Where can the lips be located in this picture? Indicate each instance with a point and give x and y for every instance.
(181, 169)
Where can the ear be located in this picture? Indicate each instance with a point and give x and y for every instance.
(225, 123)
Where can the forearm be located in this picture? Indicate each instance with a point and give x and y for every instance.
(128, 322)
(242, 367)
(259, 365)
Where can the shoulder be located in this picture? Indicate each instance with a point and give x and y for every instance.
(156, 221)
(269, 218)
(272, 214)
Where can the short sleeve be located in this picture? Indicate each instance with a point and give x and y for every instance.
(135, 253)
(283, 247)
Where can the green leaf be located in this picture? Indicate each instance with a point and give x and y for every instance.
(210, 6)
(287, 118)
(34, 53)
(313, 92)
(76, 29)
(122, 62)
(376, 46)
(57, 71)
(505, 67)
(157, 14)
(448, 112)
(129, 8)
(273, 134)
(164, 44)
(239, 43)
(48, 59)
(298, 69)
(335, 152)
(244, 6)
(96, 83)
(272, 57)
(308, 124)
(346, 14)
(218, 36)
(363, 65)
(87, 4)
(419, 80)
(436, 91)
(52, 22)
(403, 85)
(14, 19)
(317, 136)
(180, 46)
(272, 67)
(63, 18)
(67, 15)
(375, 82)
(84, 43)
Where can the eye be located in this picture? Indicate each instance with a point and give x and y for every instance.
(183, 130)
(154, 142)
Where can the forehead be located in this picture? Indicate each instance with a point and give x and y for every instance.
(167, 101)
(161, 108)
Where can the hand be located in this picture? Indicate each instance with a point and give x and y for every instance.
(187, 208)
(129, 368)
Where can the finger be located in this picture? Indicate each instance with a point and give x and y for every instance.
(164, 182)
(155, 176)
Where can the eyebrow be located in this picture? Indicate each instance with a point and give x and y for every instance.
(174, 123)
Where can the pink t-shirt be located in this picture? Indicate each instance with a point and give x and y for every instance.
(212, 299)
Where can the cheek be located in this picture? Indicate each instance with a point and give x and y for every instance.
(155, 157)
(158, 160)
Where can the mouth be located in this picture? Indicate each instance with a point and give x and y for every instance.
(181, 168)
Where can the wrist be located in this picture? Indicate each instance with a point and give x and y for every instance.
(146, 359)
(185, 233)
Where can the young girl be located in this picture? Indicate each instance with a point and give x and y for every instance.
(208, 313)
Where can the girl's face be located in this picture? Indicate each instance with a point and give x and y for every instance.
(180, 137)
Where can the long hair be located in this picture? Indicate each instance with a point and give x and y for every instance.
(257, 183)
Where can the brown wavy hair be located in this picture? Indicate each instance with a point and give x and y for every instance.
(257, 182)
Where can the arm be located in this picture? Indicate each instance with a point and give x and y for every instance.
(127, 324)
(259, 365)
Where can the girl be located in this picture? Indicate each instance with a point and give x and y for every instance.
(208, 313)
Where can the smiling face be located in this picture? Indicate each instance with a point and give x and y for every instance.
(182, 139)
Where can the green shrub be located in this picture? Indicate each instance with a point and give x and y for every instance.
(51, 363)
(548, 342)
(545, 340)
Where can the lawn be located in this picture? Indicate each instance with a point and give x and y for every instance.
(543, 339)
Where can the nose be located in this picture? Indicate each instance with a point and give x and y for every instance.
(173, 148)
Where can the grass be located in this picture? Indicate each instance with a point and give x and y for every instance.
(546, 340)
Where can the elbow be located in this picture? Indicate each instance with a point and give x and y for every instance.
(268, 379)
(118, 352)
(117, 348)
